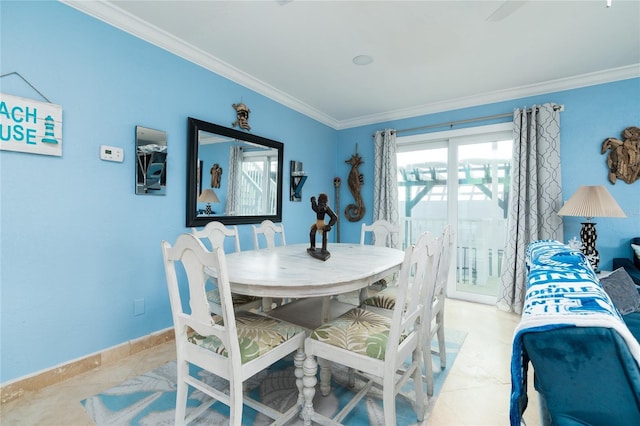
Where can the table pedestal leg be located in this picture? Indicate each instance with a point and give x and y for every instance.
(298, 362)
(267, 304)
(325, 376)
(326, 306)
(363, 294)
(310, 368)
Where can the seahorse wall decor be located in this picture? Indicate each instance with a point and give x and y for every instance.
(355, 212)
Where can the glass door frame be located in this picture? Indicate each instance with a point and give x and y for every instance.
(452, 139)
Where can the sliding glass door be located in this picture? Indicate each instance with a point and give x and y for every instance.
(473, 164)
(483, 193)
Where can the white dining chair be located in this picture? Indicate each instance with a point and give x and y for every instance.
(269, 231)
(383, 350)
(381, 232)
(385, 301)
(216, 233)
(234, 346)
(434, 316)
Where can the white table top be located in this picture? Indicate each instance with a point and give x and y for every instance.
(289, 271)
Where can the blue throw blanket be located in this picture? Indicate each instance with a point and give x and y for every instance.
(562, 291)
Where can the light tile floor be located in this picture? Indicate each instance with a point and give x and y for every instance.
(476, 392)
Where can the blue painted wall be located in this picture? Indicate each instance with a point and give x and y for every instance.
(78, 246)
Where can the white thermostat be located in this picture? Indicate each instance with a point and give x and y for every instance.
(111, 153)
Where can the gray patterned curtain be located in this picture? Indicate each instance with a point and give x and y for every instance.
(535, 197)
(234, 187)
(385, 180)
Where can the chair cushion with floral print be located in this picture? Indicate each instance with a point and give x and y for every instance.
(385, 299)
(257, 335)
(358, 331)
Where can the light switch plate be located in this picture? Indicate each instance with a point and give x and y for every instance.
(111, 153)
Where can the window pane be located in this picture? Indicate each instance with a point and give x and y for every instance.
(483, 182)
(422, 192)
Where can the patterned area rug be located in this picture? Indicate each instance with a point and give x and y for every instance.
(149, 399)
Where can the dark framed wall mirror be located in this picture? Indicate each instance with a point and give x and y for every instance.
(151, 161)
(232, 177)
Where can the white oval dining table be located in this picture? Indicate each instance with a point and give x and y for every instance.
(290, 272)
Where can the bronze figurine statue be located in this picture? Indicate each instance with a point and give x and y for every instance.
(321, 208)
(216, 174)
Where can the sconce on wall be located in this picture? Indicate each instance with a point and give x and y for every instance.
(298, 178)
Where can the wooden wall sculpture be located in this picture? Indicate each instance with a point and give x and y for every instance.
(624, 157)
(355, 212)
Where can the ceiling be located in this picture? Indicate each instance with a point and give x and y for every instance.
(428, 56)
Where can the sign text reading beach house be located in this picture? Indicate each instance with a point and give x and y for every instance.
(30, 126)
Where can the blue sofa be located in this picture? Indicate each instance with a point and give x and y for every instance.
(585, 355)
(632, 266)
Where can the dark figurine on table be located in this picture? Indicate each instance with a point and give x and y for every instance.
(322, 209)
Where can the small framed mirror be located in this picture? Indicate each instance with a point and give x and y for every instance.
(233, 177)
(151, 161)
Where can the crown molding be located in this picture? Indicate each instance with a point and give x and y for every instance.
(118, 18)
(126, 22)
(575, 82)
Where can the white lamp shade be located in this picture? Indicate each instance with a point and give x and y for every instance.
(591, 201)
(208, 196)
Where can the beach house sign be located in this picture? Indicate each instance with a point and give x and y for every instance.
(30, 126)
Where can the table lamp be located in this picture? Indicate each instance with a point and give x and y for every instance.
(590, 202)
(208, 196)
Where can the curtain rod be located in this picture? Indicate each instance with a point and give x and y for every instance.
(469, 120)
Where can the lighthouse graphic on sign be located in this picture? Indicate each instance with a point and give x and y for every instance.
(48, 130)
